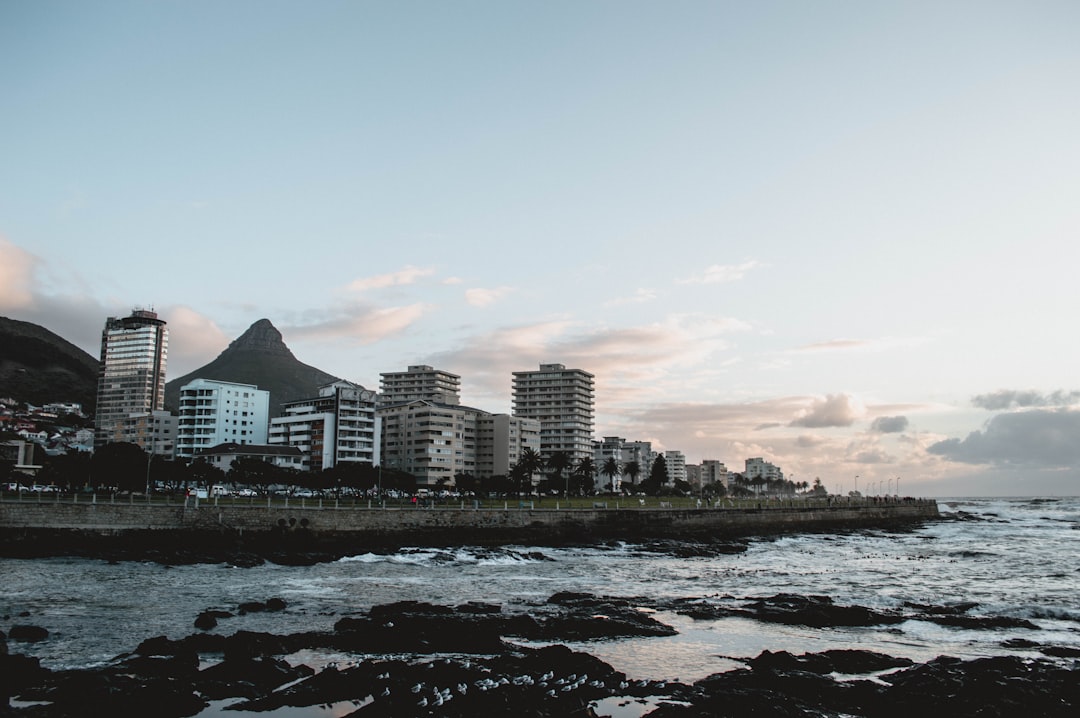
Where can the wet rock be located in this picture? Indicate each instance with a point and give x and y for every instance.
(847, 661)
(18, 670)
(26, 633)
(816, 611)
(209, 619)
(247, 677)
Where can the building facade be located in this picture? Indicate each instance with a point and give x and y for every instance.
(220, 412)
(337, 426)
(714, 472)
(154, 431)
(131, 379)
(222, 456)
(501, 440)
(419, 382)
(676, 466)
(759, 468)
(562, 401)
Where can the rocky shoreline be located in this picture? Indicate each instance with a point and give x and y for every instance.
(475, 659)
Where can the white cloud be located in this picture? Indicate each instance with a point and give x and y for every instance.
(17, 267)
(835, 410)
(641, 296)
(407, 275)
(719, 273)
(484, 297)
(362, 325)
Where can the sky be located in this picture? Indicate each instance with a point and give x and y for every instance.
(839, 236)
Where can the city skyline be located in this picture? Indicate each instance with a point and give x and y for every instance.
(828, 235)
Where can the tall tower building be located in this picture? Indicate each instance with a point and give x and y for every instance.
(561, 400)
(131, 379)
(419, 383)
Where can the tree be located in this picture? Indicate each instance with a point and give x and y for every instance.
(68, 470)
(531, 463)
(611, 469)
(519, 476)
(559, 463)
(585, 476)
(120, 465)
(203, 473)
(658, 477)
(632, 469)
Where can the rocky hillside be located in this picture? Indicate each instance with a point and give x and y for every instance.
(39, 367)
(259, 356)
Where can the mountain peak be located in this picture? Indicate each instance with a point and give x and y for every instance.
(262, 336)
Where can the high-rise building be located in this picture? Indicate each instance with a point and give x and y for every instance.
(419, 382)
(131, 379)
(561, 400)
(216, 412)
(337, 426)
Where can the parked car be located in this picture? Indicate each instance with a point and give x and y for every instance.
(15, 486)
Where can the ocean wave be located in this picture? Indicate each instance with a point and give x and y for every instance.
(473, 556)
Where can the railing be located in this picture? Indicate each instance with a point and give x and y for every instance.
(586, 503)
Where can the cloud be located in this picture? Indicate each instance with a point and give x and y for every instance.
(407, 275)
(641, 296)
(363, 325)
(720, 273)
(194, 339)
(832, 411)
(889, 424)
(484, 297)
(17, 268)
(835, 345)
(1013, 399)
(1040, 438)
(624, 357)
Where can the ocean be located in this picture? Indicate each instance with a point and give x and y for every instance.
(1016, 558)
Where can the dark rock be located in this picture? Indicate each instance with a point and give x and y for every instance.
(209, 619)
(851, 662)
(25, 633)
(816, 611)
(247, 677)
(18, 671)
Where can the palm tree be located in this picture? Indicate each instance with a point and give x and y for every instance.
(585, 472)
(531, 463)
(611, 469)
(559, 463)
(632, 469)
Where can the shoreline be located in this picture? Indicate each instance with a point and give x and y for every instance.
(211, 532)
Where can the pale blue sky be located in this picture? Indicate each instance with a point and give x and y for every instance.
(770, 229)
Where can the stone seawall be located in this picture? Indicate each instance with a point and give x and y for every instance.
(306, 527)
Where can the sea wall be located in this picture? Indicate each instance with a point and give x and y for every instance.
(316, 523)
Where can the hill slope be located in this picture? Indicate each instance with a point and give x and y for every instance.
(259, 356)
(38, 366)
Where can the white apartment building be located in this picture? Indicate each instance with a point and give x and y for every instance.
(339, 425)
(676, 466)
(419, 382)
(758, 467)
(562, 401)
(624, 452)
(216, 412)
(714, 471)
